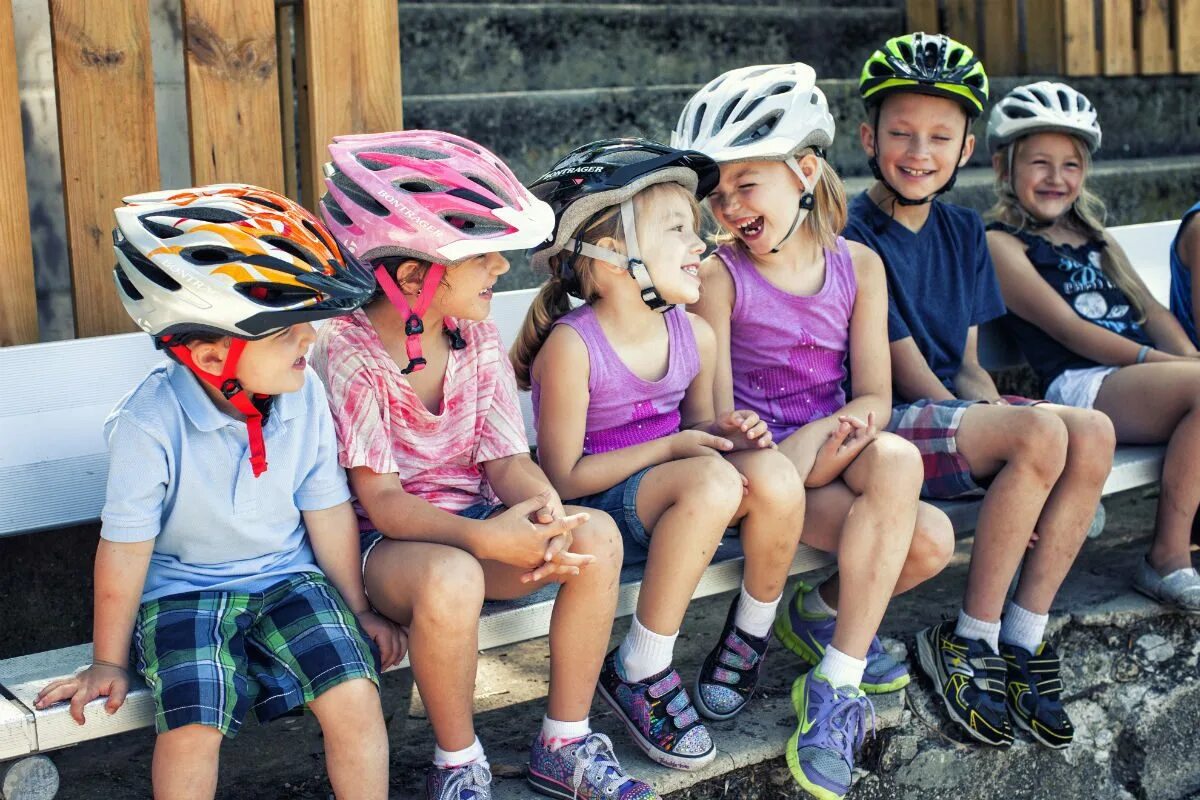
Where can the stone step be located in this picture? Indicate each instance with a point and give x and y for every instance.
(486, 47)
(1140, 117)
(1135, 190)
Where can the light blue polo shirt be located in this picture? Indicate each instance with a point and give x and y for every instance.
(179, 473)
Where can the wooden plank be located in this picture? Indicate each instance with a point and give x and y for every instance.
(1045, 39)
(233, 92)
(18, 301)
(1187, 36)
(1079, 38)
(962, 23)
(285, 18)
(1117, 37)
(353, 70)
(1001, 37)
(107, 136)
(922, 15)
(1154, 53)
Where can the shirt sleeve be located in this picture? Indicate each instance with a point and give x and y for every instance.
(989, 302)
(503, 432)
(358, 417)
(138, 475)
(324, 486)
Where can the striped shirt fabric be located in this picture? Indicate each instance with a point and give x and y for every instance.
(382, 424)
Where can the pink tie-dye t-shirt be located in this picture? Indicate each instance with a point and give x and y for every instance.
(382, 424)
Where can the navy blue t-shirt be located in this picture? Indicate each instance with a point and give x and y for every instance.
(1076, 274)
(941, 281)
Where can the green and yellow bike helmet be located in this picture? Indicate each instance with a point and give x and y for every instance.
(924, 63)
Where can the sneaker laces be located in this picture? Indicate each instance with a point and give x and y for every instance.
(596, 761)
(474, 777)
(847, 721)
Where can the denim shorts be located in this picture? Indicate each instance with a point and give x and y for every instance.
(369, 538)
(620, 503)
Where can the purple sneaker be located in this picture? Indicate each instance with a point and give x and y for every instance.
(807, 635)
(469, 782)
(730, 673)
(659, 714)
(586, 769)
(832, 727)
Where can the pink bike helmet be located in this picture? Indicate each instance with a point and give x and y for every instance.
(431, 196)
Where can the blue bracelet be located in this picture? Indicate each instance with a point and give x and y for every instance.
(1145, 351)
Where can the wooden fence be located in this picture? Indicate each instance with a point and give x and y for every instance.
(1070, 37)
(265, 79)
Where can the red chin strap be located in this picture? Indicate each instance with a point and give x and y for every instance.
(232, 391)
(413, 327)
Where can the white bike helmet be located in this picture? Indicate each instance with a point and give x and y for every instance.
(763, 113)
(1041, 107)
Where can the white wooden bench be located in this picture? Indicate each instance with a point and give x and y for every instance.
(53, 466)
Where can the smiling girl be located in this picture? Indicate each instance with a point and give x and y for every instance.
(622, 392)
(1085, 320)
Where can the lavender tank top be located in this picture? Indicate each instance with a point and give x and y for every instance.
(625, 410)
(789, 351)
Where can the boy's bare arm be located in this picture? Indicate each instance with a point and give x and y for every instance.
(911, 376)
(120, 576)
(972, 382)
(333, 533)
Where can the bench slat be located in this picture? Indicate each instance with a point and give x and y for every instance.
(17, 736)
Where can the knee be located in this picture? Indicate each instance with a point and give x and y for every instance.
(932, 543)
(599, 537)
(773, 480)
(1091, 444)
(714, 483)
(1039, 443)
(893, 463)
(200, 741)
(451, 589)
(356, 699)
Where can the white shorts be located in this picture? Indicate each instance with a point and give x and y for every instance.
(1078, 387)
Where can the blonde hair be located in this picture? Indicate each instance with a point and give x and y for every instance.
(828, 216)
(1086, 217)
(553, 300)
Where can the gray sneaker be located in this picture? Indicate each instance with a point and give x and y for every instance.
(468, 782)
(1180, 589)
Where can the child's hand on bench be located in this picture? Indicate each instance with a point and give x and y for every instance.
(98, 680)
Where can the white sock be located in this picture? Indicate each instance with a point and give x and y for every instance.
(460, 758)
(644, 652)
(814, 603)
(840, 669)
(1023, 628)
(970, 628)
(755, 617)
(555, 734)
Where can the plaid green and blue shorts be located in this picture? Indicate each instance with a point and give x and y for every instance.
(212, 656)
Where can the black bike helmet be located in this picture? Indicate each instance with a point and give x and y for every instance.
(609, 173)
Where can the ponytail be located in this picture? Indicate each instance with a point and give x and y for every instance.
(551, 303)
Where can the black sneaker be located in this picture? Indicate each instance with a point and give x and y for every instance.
(727, 680)
(970, 678)
(1035, 694)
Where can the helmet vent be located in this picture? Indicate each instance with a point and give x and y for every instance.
(311, 228)
(698, 120)
(357, 195)
(745, 112)
(160, 230)
(1041, 97)
(1019, 112)
(207, 255)
(202, 213)
(760, 131)
(417, 187)
(126, 285)
(411, 151)
(149, 270)
(262, 201)
(293, 250)
(335, 211)
(879, 69)
(276, 295)
(491, 189)
(726, 110)
(475, 226)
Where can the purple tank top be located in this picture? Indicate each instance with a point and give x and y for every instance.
(788, 351)
(625, 410)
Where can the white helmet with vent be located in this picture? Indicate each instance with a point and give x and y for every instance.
(1045, 106)
(762, 113)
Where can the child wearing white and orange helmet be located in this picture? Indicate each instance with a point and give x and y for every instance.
(231, 586)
